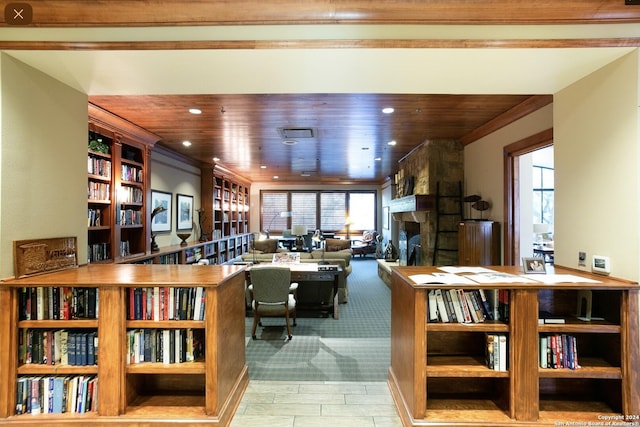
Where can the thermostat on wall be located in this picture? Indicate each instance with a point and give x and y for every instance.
(601, 264)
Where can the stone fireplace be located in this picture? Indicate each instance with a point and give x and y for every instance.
(433, 173)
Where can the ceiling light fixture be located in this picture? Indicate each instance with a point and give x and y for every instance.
(195, 111)
(263, 166)
(305, 174)
(186, 143)
(388, 110)
(289, 142)
(276, 177)
(392, 143)
(216, 159)
(378, 159)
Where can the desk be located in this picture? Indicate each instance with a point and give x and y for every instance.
(308, 272)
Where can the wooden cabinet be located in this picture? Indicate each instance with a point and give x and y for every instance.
(118, 187)
(479, 243)
(203, 392)
(438, 372)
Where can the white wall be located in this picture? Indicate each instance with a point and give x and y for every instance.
(597, 160)
(43, 164)
(175, 177)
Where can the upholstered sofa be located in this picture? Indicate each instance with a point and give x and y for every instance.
(335, 254)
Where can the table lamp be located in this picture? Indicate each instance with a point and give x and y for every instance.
(299, 231)
(541, 231)
(318, 238)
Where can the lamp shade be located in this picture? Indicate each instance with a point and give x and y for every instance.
(540, 228)
(299, 230)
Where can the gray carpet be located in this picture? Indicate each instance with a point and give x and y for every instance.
(356, 347)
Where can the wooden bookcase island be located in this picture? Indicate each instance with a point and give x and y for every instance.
(204, 392)
(438, 374)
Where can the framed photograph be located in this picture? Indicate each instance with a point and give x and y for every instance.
(185, 212)
(385, 217)
(162, 220)
(533, 265)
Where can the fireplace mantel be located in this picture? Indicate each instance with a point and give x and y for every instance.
(413, 203)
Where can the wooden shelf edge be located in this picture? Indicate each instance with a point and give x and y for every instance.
(161, 368)
(35, 369)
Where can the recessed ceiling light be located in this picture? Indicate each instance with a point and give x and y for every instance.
(305, 174)
(263, 166)
(276, 177)
(186, 143)
(393, 142)
(289, 142)
(388, 110)
(195, 111)
(365, 148)
(377, 159)
(216, 159)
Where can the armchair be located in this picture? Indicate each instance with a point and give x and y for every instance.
(366, 245)
(273, 295)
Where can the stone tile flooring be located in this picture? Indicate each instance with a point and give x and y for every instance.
(316, 404)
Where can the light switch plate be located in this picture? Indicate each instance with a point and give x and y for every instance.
(601, 264)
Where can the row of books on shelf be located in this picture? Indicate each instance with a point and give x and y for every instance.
(165, 303)
(98, 191)
(132, 173)
(56, 394)
(94, 217)
(58, 303)
(558, 351)
(466, 306)
(125, 248)
(97, 252)
(130, 194)
(172, 258)
(164, 346)
(496, 354)
(193, 255)
(131, 217)
(99, 166)
(58, 347)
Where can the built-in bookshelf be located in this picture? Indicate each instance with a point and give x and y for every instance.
(186, 365)
(218, 251)
(442, 372)
(118, 171)
(225, 199)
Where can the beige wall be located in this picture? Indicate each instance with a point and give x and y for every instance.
(483, 160)
(597, 165)
(175, 177)
(43, 143)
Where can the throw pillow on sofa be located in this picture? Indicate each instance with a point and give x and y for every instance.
(334, 245)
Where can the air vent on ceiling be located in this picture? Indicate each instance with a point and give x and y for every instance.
(297, 133)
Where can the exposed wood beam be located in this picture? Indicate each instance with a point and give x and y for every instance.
(519, 111)
(77, 13)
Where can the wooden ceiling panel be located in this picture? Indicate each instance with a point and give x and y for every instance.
(352, 133)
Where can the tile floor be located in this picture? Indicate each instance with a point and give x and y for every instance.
(316, 404)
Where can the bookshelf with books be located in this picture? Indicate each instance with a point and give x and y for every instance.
(225, 200)
(118, 194)
(442, 372)
(197, 374)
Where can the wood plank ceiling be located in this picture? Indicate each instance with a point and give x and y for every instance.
(350, 133)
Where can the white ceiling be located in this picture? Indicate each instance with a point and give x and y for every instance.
(342, 70)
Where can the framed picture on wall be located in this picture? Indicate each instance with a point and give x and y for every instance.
(185, 212)
(385, 217)
(162, 220)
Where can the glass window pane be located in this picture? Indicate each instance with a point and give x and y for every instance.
(537, 177)
(303, 206)
(273, 204)
(547, 178)
(362, 211)
(332, 211)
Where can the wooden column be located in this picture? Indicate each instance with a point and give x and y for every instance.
(111, 353)
(523, 354)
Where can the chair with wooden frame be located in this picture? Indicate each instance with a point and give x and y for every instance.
(273, 295)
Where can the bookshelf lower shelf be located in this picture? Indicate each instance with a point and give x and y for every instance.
(461, 367)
